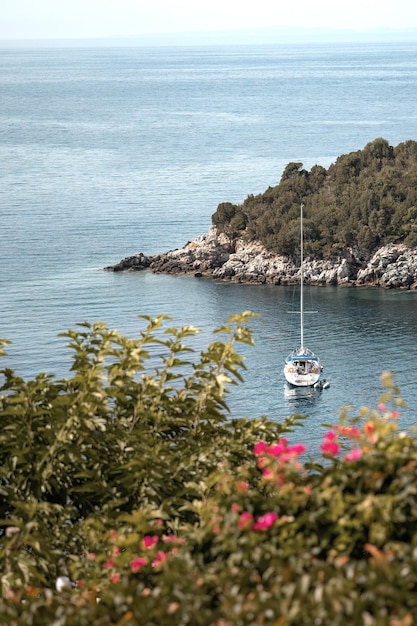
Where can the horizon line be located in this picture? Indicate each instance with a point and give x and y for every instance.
(296, 34)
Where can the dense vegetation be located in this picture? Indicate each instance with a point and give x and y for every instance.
(365, 199)
(129, 497)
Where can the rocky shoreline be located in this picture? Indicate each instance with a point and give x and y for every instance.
(217, 256)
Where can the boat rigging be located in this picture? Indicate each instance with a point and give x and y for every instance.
(302, 367)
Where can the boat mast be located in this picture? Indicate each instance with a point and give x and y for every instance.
(302, 280)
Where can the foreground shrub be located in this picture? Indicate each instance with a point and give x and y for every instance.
(142, 503)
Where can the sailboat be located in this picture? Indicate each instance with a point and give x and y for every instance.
(302, 367)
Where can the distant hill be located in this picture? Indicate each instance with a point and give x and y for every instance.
(366, 199)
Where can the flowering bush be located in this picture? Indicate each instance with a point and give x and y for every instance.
(127, 499)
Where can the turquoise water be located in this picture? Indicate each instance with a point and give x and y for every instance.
(106, 152)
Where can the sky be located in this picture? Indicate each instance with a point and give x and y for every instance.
(33, 19)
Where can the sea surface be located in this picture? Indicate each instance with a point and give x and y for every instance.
(105, 152)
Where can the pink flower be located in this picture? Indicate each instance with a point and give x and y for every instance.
(108, 564)
(115, 577)
(245, 519)
(150, 540)
(173, 539)
(298, 448)
(369, 428)
(395, 415)
(382, 406)
(137, 564)
(235, 507)
(159, 559)
(330, 445)
(261, 447)
(242, 486)
(350, 431)
(278, 448)
(354, 455)
(268, 474)
(262, 462)
(265, 522)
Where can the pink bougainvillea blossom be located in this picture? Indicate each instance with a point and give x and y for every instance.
(265, 521)
(173, 539)
(137, 564)
(291, 453)
(349, 431)
(150, 540)
(262, 462)
(245, 519)
(268, 474)
(369, 428)
(354, 455)
(260, 448)
(273, 459)
(160, 558)
(297, 449)
(278, 448)
(330, 445)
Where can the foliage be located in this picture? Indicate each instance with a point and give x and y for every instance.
(365, 199)
(131, 498)
(115, 437)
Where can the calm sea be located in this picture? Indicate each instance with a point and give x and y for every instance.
(106, 152)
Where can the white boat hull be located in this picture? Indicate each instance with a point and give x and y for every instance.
(302, 371)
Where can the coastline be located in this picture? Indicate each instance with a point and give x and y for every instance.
(217, 256)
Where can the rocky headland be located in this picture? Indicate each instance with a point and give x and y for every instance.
(220, 257)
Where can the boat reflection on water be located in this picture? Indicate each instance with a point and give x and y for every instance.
(301, 398)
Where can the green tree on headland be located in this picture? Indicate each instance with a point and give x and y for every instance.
(129, 497)
(365, 199)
